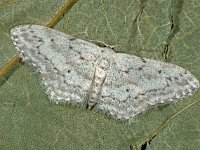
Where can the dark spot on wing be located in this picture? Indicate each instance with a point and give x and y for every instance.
(169, 78)
(140, 68)
(56, 69)
(176, 78)
(185, 72)
(72, 38)
(143, 60)
(81, 57)
(126, 71)
(40, 40)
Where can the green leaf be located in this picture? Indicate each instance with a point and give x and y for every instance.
(144, 28)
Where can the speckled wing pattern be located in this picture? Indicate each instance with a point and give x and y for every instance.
(79, 72)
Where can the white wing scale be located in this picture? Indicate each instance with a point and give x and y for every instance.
(77, 71)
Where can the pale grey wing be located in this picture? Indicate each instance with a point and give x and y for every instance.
(134, 83)
(66, 64)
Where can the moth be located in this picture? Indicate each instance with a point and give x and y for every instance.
(78, 72)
